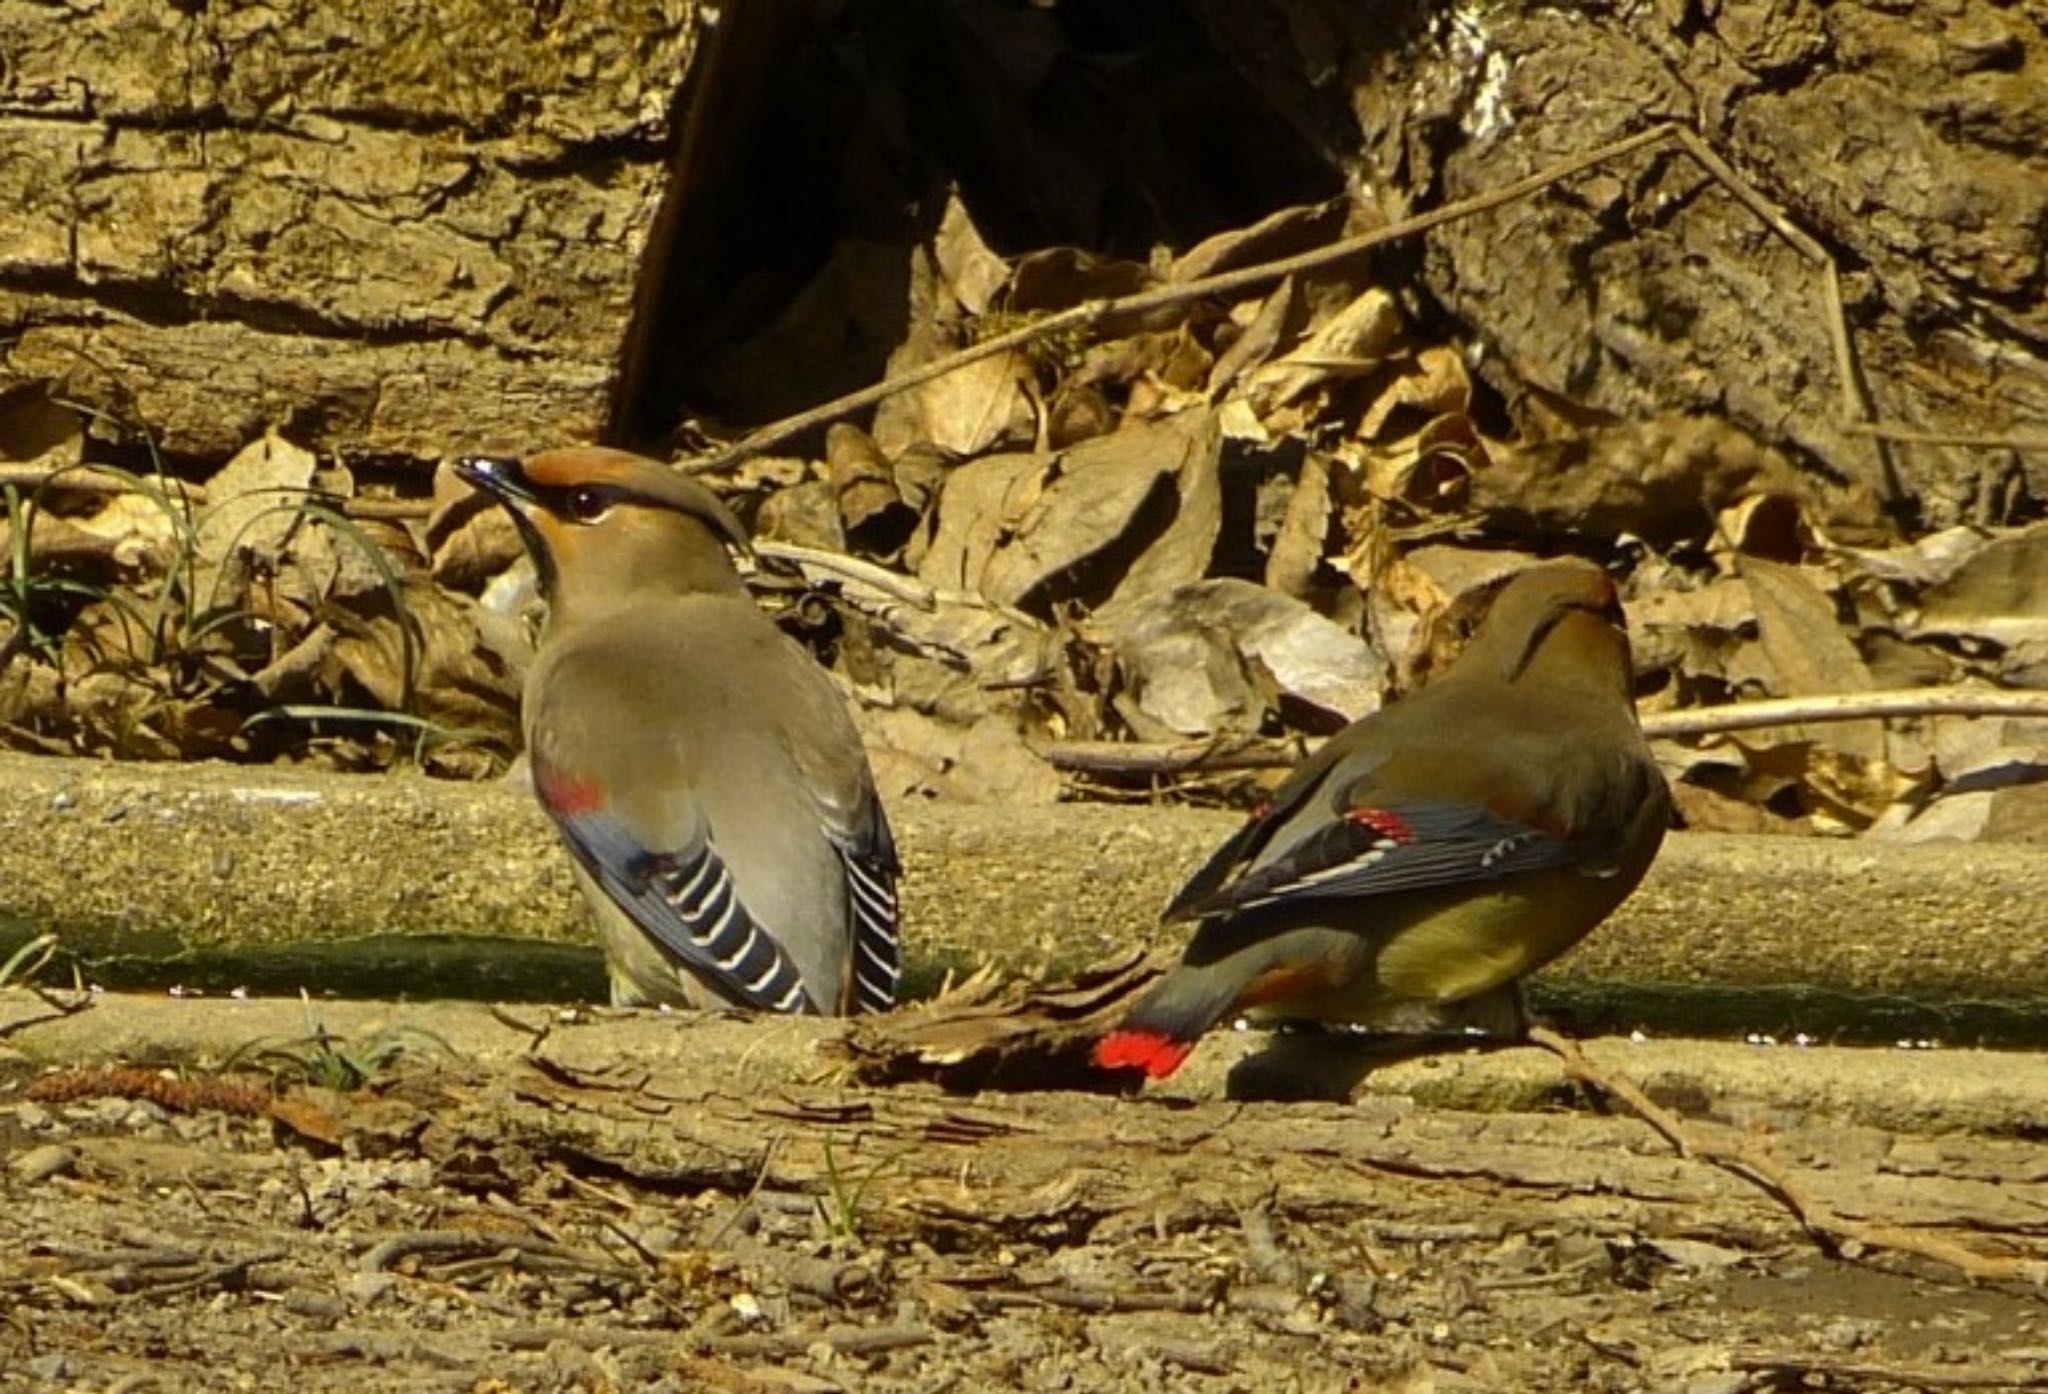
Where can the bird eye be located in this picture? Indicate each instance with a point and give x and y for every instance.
(585, 504)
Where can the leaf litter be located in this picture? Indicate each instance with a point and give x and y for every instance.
(1236, 518)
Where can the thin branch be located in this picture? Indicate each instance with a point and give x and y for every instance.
(85, 479)
(900, 587)
(1835, 1232)
(1846, 706)
(1170, 757)
(1915, 435)
(1190, 757)
(1092, 312)
(1801, 1363)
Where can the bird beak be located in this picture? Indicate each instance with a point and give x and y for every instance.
(500, 476)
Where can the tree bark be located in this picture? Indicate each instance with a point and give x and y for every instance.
(1912, 141)
(389, 230)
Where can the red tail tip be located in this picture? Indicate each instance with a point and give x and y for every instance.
(1158, 1056)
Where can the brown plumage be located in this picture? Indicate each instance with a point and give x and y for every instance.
(1437, 850)
(702, 769)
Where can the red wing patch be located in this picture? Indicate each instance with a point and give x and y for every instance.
(1391, 826)
(566, 794)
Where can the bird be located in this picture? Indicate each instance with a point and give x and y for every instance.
(1432, 852)
(701, 768)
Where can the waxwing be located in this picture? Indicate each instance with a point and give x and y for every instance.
(1439, 849)
(701, 768)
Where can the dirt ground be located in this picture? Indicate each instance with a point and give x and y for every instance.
(674, 1204)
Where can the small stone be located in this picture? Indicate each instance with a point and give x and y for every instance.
(51, 1368)
(364, 1289)
(142, 1114)
(34, 1118)
(42, 1162)
(1725, 1382)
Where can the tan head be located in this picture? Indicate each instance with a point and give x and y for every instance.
(605, 526)
(1558, 625)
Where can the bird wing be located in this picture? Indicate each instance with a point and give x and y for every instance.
(841, 789)
(1381, 850)
(681, 896)
(869, 854)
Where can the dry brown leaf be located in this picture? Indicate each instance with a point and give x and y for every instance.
(1811, 654)
(976, 406)
(1270, 321)
(806, 515)
(1079, 412)
(306, 671)
(346, 563)
(1352, 342)
(978, 505)
(865, 482)
(140, 534)
(1281, 233)
(1428, 472)
(1303, 539)
(970, 271)
(1029, 532)
(1091, 502)
(1435, 381)
(1200, 659)
(986, 1034)
(1922, 562)
(1058, 278)
(249, 517)
(1191, 445)
(1997, 591)
(915, 756)
(1770, 526)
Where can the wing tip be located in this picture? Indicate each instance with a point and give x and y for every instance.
(1154, 1052)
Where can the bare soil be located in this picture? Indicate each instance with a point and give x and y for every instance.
(728, 1210)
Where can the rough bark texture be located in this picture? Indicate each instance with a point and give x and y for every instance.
(378, 227)
(1909, 139)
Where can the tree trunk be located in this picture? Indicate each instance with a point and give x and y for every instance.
(392, 230)
(1911, 141)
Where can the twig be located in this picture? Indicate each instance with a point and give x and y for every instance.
(1102, 1300)
(1846, 706)
(85, 479)
(1093, 312)
(1876, 1372)
(904, 588)
(877, 1340)
(1836, 1233)
(1169, 757)
(1186, 757)
(1856, 410)
(536, 1036)
(1915, 435)
(382, 1255)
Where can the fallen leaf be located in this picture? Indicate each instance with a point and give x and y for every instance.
(972, 273)
(1187, 655)
(251, 509)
